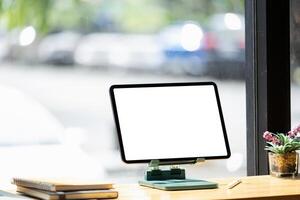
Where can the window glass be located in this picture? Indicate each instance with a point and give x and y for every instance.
(58, 59)
(295, 61)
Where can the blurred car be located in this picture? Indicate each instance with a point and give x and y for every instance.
(21, 45)
(4, 46)
(129, 51)
(183, 46)
(216, 50)
(58, 48)
(225, 39)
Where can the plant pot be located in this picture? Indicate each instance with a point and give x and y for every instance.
(282, 165)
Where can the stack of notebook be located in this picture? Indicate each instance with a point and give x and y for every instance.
(55, 190)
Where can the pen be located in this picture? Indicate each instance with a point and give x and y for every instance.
(233, 184)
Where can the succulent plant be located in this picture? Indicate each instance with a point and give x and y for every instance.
(281, 143)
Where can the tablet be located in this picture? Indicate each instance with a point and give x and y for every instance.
(169, 122)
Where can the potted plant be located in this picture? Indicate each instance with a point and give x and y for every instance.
(282, 147)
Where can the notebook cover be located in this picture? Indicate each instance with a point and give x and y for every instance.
(60, 185)
(48, 195)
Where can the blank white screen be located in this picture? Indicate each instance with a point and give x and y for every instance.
(169, 122)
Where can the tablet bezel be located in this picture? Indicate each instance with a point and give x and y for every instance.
(173, 160)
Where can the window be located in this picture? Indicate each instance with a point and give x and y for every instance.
(295, 58)
(267, 62)
(58, 59)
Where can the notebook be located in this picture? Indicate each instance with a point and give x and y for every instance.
(49, 195)
(57, 185)
(10, 196)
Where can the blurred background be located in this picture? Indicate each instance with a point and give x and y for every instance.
(58, 59)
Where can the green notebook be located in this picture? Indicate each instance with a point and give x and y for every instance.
(179, 184)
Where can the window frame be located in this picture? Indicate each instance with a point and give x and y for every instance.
(268, 101)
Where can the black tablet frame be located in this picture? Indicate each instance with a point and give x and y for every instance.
(173, 160)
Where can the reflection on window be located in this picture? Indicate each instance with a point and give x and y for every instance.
(58, 59)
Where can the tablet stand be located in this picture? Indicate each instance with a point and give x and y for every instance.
(154, 173)
(173, 178)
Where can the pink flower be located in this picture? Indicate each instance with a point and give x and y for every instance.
(268, 136)
(276, 141)
(271, 137)
(294, 132)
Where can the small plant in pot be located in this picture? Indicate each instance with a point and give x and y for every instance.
(282, 147)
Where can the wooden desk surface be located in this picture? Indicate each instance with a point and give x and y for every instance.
(255, 187)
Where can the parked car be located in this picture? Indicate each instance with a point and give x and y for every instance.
(58, 48)
(216, 50)
(183, 47)
(129, 51)
(225, 39)
(4, 45)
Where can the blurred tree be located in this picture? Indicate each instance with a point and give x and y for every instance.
(142, 15)
(20, 13)
(150, 15)
(73, 14)
(200, 10)
(130, 15)
(47, 15)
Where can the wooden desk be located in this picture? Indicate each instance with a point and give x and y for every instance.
(255, 187)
